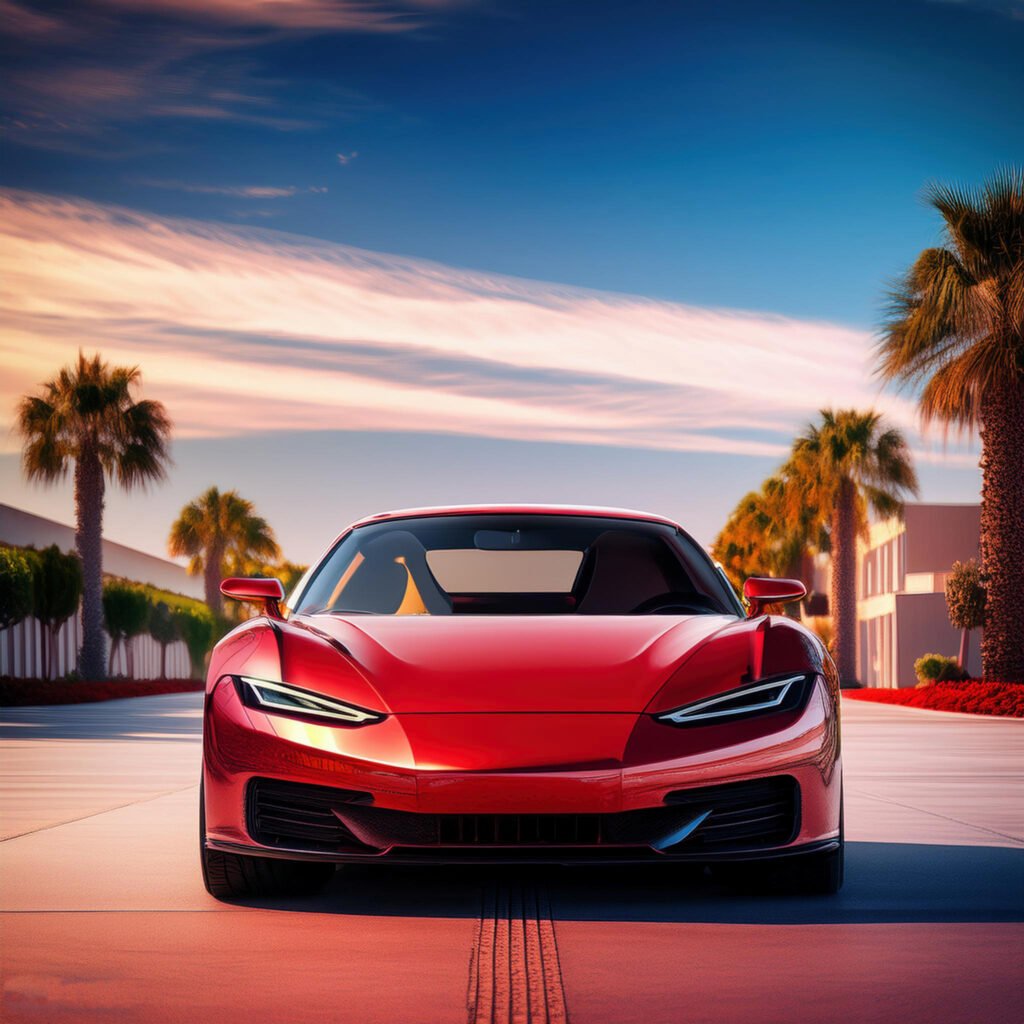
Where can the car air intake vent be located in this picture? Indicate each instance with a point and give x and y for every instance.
(758, 813)
(519, 829)
(300, 817)
(713, 819)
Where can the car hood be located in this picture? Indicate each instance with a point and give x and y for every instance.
(452, 664)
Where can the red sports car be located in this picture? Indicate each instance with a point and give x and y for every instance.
(498, 684)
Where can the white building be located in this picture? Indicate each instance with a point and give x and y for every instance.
(901, 603)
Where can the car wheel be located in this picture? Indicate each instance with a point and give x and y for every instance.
(235, 876)
(820, 873)
(812, 874)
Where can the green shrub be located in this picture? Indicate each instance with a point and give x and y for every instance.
(15, 587)
(56, 592)
(125, 614)
(163, 629)
(195, 625)
(936, 668)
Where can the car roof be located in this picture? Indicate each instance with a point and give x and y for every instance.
(598, 511)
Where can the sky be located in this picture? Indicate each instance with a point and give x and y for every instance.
(387, 254)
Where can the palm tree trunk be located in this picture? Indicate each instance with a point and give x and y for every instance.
(212, 577)
(1002, 529)
(163, 661)
(843, 598)
(965, 636)
(89, 542)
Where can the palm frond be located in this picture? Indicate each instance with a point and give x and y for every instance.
(954, 324)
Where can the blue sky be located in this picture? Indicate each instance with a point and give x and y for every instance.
(734, 158)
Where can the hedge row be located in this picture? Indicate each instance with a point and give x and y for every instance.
(25, 692)
(973, 697)
(130, 609)
(47, 585)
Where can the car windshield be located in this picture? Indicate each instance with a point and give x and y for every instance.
(515, 565)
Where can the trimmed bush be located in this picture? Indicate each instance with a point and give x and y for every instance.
(125, 615)
(195, 625)
(163, 629)
(936, 668)
(56, 593)
(16, 577)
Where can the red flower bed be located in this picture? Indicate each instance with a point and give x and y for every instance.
(24, 692)
(972, 696)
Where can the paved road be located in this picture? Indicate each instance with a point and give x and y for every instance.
(105, 919)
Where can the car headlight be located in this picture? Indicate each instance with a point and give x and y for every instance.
(782, 694)
(291, 700)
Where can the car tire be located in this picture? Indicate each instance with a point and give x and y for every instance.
(820, 874)
(817, 874)
(237, 876)
(808, 874)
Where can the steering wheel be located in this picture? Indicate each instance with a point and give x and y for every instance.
(670, 604)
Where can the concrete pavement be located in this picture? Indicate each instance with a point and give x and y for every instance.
(105, 918)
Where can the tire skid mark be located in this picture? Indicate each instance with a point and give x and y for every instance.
(514, 975)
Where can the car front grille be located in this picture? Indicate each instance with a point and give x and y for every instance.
(299, 817)
(737, 816)
(760, 812)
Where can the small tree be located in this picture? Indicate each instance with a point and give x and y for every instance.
(195, 626)
(15, 587)
(57, 590)
(163, 629)
(965, 602)
(125, 615)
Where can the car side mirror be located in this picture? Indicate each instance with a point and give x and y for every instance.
(760, 591)
(267, 592)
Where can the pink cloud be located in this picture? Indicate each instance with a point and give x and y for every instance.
(297, 15)
(244, 330)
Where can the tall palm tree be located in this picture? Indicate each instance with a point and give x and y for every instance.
(220, 530)
(955, 327)
(842, 467)
(87, 415)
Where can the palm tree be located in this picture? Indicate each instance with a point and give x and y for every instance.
(842, 467)
(762, 538)
(217, 530)
(770, 533)
(955, 327)
(87, 415)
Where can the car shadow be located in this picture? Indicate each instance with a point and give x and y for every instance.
(885, 883)
(171, 717)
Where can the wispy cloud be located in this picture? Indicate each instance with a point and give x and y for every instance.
(346, 158)
(76, 76)
(298, 15)
(236, 191)
(243, 330)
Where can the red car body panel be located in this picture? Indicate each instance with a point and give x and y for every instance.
(518, 715)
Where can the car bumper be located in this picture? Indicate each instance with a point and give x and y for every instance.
(379, 801)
